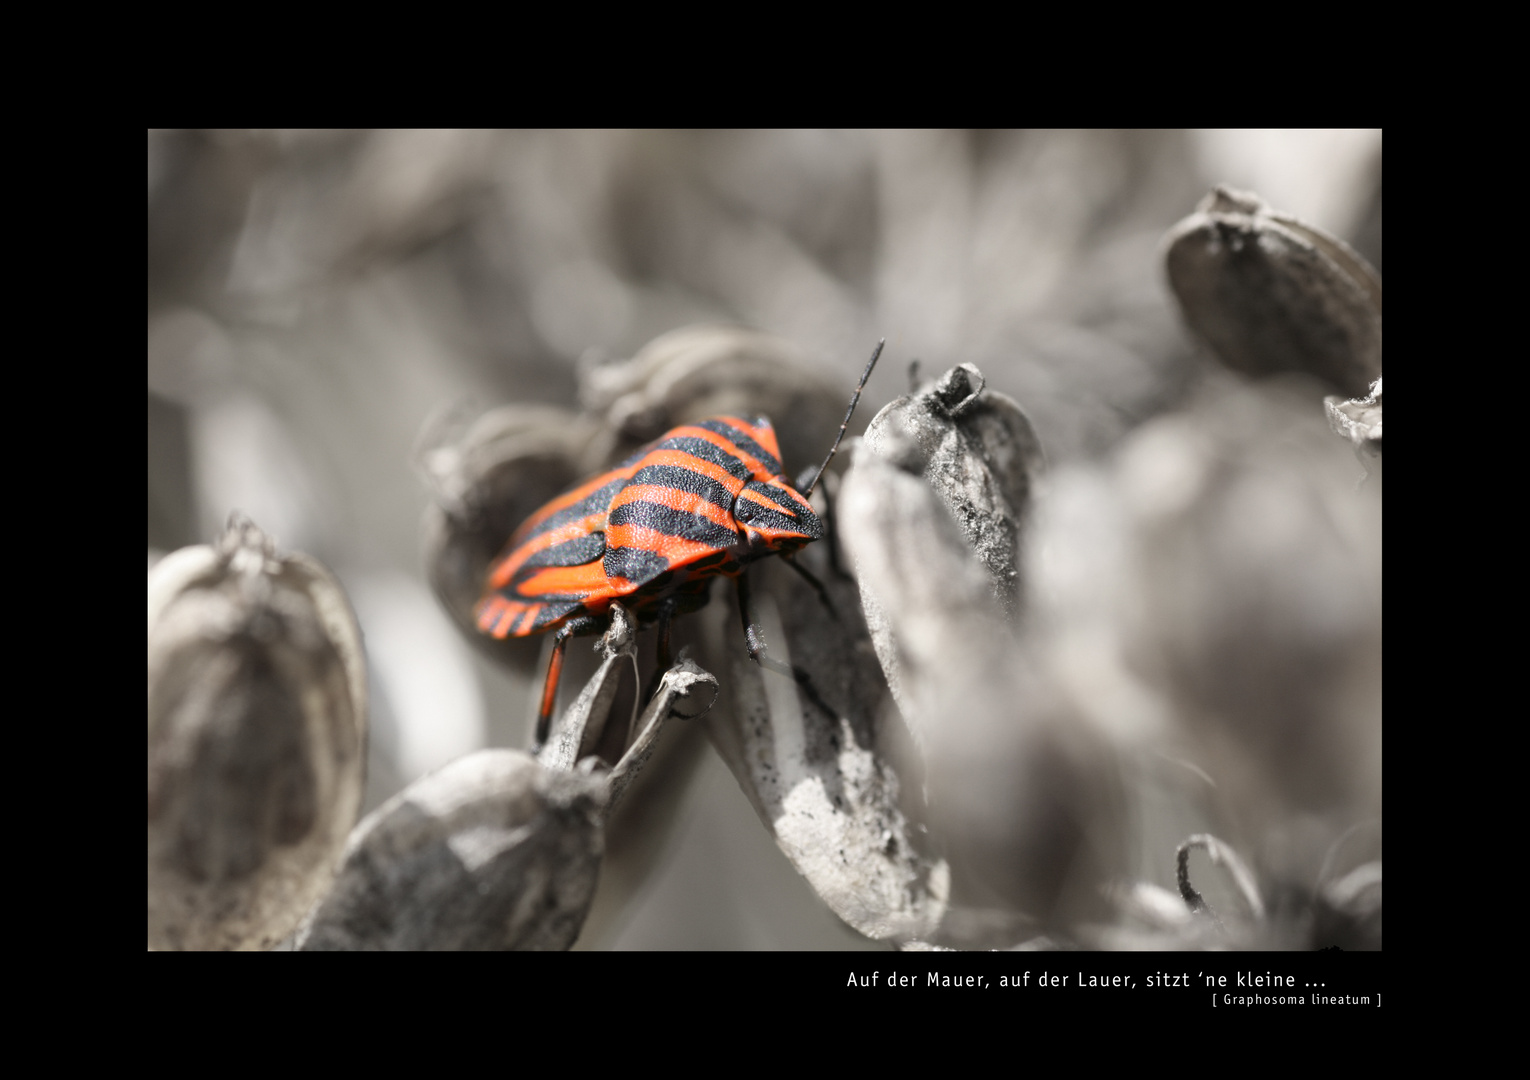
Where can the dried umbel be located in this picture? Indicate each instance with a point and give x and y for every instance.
(1271, 294)
(257, 738)
(494, 851)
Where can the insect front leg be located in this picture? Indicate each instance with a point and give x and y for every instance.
(581, 625)
(807, 575)
(664, 659)
(756, 638)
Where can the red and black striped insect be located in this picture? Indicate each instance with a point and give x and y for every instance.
(707, 499)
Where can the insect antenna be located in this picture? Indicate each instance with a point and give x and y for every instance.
(855, 397)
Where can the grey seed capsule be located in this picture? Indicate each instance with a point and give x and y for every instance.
(257, 732)
(827, 787)
(1269, 294)
(700, 371)
(492, 852)
(979, 453)
(1231, 575)
(1019, 794)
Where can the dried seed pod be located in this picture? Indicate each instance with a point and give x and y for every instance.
(492, 852)
(1271, 294)
(826, 786)
(976, 452)
(1021, 798)
(979, 453)
(918, 578)
(257, 732)
(700, 371)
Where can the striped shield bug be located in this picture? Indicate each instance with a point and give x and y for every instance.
(704, 500)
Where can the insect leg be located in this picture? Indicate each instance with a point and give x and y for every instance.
(664, 656)
(756, 639)
(582, 625)
(807, 575)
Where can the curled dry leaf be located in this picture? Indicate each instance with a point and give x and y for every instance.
(685, 691)
(579, 727)
(1349, 910)
(257, 732)
(1221, 855)
(492, 852)
(582, 730)
(1358, 420)
(1270, 294)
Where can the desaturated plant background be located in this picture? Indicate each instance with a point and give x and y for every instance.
(1190, 641)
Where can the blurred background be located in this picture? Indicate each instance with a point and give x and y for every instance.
(316, 297)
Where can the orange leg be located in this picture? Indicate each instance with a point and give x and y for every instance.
(583, 625)
(754, 636)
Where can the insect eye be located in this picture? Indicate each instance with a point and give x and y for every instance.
(745, 512)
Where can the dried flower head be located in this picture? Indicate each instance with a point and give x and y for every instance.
(1269, 293)
(257, 734)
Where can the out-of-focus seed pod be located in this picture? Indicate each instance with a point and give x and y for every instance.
(1256, 600)
(484, 483)
(978, 452)
(492, 852)
(257, 733)
(700, 371)
(1270, 294)
(1213, 595)
(1349, 910)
